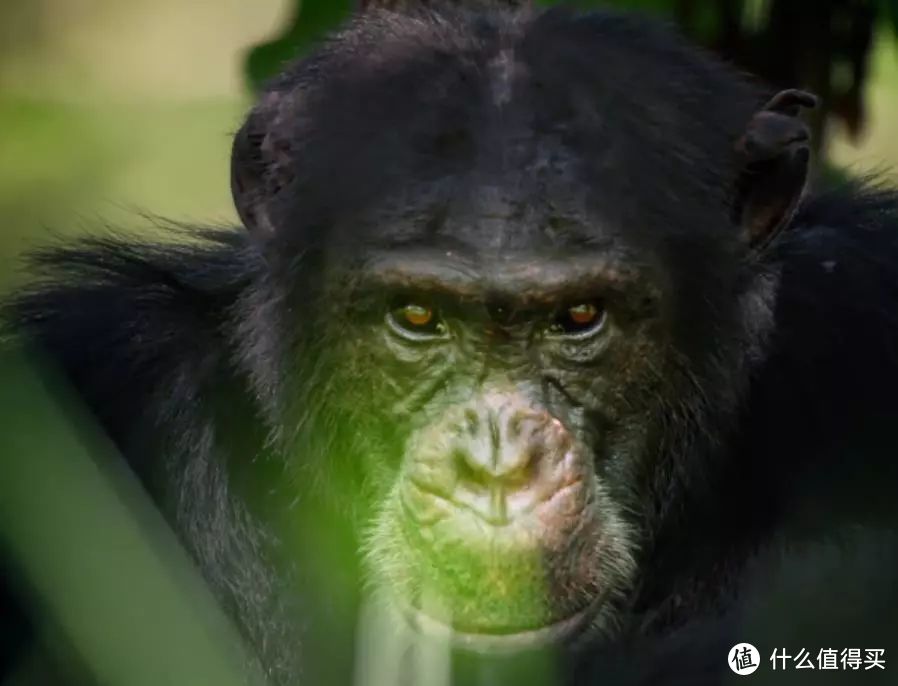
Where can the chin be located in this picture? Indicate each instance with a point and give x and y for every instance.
(566, 632)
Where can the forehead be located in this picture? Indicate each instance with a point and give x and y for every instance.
(541, 135)
(484, 216)
(510, 237)
(500, 174)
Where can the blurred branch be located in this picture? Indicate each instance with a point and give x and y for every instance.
(101, 574)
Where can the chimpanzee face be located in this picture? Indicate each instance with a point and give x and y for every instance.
(503, 374)
(512, 296)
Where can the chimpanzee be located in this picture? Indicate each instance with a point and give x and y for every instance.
(531, 338)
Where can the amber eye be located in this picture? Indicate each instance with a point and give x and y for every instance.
(415, 320)
(417, 315)
(583, 314)
(578, 320)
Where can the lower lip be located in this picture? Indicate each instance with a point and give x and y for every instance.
(493, 644)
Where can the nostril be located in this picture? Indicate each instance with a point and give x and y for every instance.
(526, 468)
(466, 472)
(527, 425)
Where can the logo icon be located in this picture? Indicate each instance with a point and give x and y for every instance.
(744, 659)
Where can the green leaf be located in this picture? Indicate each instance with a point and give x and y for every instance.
(889, 9)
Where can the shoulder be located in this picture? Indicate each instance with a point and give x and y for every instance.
(131, 324)
(840, 252)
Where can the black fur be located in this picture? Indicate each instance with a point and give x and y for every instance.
(781, 535)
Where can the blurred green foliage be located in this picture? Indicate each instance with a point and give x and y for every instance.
(306, 24)
(107, 585)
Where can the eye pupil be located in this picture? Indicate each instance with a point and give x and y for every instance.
(417, 315)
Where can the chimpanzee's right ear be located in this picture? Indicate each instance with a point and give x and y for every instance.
(262, 160)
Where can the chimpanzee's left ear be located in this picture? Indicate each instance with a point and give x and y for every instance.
(773, 153)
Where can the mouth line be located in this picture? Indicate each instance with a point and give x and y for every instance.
(508, 642)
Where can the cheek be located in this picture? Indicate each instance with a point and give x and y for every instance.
(620, 382)
(617, 405)
(386, 374)
(370, 397)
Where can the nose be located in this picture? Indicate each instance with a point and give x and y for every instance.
(505, 459)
